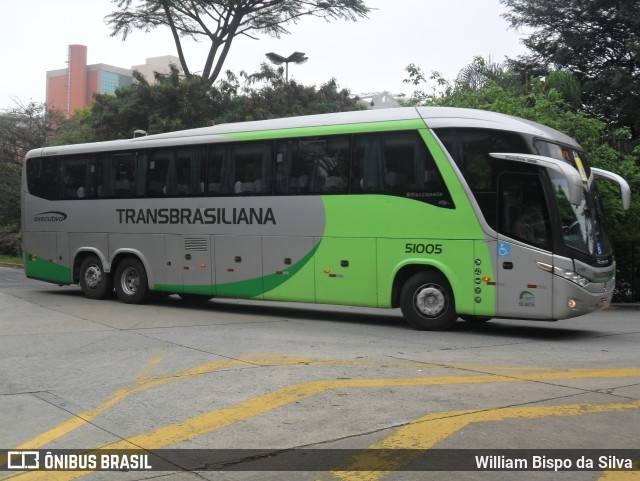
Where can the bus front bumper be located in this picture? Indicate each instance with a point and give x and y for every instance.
(572, 300)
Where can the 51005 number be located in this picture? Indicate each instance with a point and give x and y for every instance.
(423, 248)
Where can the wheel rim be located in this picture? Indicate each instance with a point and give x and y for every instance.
(430, 300)
(130, 281)
(93, 276)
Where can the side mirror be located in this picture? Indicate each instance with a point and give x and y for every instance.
(625, 190)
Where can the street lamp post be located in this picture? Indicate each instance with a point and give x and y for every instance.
(295, 57)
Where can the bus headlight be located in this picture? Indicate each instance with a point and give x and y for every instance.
(572, 276)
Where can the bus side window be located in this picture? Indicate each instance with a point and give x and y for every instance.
(313, 165)
(77, 178)
(158, 173)
(190, 171)
(117, 176)
(252, 168)
(214, 182)
(239, 168)
(42, 177)
(398, 163)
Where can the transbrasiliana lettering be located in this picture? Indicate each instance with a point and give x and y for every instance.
(212, 215)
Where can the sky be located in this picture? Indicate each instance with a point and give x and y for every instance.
(365, 56)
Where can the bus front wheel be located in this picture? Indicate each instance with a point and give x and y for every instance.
(427, 302)
(94, 281)
(131, 281)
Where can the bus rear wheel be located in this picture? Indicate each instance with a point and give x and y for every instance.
(94, 281)
(131, 281)
(427, 302)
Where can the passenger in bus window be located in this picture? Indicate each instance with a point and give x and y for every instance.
(336, 181)
(252, 183)
(530, 225)
(123, 183)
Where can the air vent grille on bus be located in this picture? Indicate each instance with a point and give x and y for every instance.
(200, 244)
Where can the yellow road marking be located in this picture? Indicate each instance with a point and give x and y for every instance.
(212, 421)
(426, 432)
(142, 384)
(303, 360)
(87, 416)
(621, 475)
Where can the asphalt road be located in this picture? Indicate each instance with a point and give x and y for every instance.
(232, 376)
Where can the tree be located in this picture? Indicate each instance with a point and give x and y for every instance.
(276, 98)
(221, 21)
(479, 73)
(597, 40)
(25, 127)
(22, 128)
(171, 103)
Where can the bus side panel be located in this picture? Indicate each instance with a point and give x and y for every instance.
(187, 266)
(346, 271)
(238, 266)
(486, 292)
(98, 243)
(284, 276)
(454, 258)
(42, 259)
(197, 270)
(148, 247)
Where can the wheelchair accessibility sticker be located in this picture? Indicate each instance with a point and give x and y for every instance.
(504, 249)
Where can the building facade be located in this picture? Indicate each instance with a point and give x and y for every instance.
(73, 87)
(159, 65)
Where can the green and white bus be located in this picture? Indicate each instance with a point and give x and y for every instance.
(442, 212)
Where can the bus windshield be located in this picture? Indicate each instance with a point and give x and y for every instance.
(576, 158)
(581, 224)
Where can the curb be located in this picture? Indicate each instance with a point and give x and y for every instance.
(626, 307)
(8, 264)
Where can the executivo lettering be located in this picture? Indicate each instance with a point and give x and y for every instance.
(212, 215)
(50, 216)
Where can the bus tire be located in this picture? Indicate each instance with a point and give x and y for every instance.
(427, 302)
(94, 281)
(131, 281)
(474, 319)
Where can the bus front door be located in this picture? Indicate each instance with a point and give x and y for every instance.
(525, 288)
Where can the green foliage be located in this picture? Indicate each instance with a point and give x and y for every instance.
(219, 22)
(10, 240)
(25, 127)
(171, 103)
(76, 129)
(11, 259)
(596, 40)
(277, 98)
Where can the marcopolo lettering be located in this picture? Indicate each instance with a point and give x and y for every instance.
(50, 216)
(211, 215)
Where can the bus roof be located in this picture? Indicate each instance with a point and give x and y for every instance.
(434, 117)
